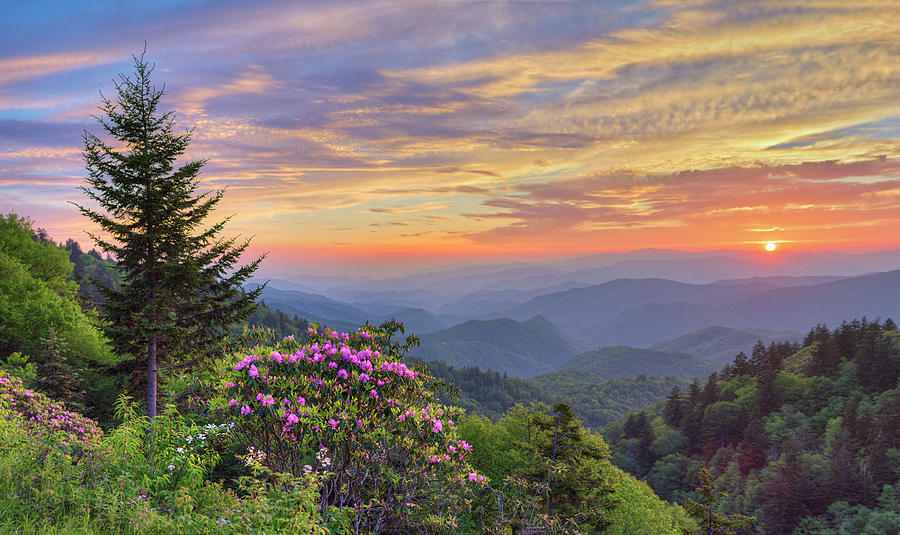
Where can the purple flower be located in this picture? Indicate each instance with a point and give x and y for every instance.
(245, 410)
(253, 371)
(342, 374)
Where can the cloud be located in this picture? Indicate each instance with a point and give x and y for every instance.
(841, 194)
(553, 125)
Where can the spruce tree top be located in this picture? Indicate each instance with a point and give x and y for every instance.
(181, 284)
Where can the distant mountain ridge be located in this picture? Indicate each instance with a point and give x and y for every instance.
(643, 312)
(431, 289)
(617, 362)
(317, 308)
(519, 348)
(792, 308)
(721, 344)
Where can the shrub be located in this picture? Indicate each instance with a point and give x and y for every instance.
(344, 404)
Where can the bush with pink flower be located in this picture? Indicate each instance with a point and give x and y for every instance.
(45, 418)
(345, 404)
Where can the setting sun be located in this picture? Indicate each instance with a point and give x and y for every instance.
(770, 246)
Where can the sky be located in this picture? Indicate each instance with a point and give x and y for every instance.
(355, 136)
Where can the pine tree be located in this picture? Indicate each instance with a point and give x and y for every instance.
(181, 288)
(712, 522)
(570, 464)
(57, 377)
(741, 364)
(673, 410)
(758, 358)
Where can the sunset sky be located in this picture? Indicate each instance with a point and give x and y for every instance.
(403, 132)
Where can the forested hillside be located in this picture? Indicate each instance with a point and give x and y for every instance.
(805, 439)
(189, 477)
(518, 348)
(623, 361)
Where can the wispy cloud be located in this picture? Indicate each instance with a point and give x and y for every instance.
(466, 125)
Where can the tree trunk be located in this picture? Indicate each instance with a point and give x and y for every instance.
(151, 377)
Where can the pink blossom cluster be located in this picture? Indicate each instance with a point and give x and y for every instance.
(338, 389)
(43, 416)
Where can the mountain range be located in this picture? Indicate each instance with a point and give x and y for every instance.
(527, 320)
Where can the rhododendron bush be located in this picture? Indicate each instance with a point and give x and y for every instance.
(344, 404)
(46, 418)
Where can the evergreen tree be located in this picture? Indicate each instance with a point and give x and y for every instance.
(879, 364)
(181, 289)
(741, 365)
(758, 358)
(570, 465)
(673, 409)
(818, 333)
(889, 325)
(643, 456)
(712, 522)
(57, 377)
(826, 358)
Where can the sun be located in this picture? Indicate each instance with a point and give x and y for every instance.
(770, 246)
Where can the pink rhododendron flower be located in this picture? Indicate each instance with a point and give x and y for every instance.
(245, 410)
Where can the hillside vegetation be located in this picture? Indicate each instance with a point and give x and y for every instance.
(522, 349)
(622, 361)
(294, 429)
(721, 344)
(806, 440)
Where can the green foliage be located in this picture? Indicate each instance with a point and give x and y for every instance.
(523, 349)
(181, 290)
(711, 522)
(58, 377)
(516, 453)
(623, 361)
(60, 474)
(797, 451)
(36, 296)
(639, 511)
(342, 403)
(720, 344)
(488, 392)
(598, 401)
(17, 365)
(280, 323)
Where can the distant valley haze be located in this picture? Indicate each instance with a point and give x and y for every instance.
(529, 318)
